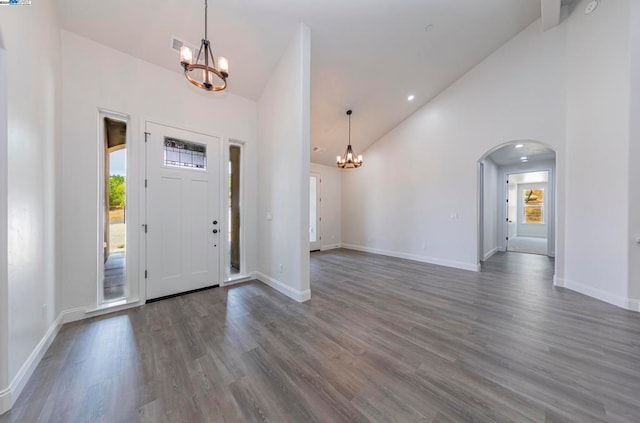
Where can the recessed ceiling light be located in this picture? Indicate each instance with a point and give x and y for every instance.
(519, 145)
(523, 158)
(411, 97)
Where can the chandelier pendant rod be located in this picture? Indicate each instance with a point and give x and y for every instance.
(205, 43)
(349, 130)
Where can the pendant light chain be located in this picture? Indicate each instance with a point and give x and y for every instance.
(349, 160)
(349, 128)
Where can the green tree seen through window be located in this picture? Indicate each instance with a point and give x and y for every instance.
(117, 191)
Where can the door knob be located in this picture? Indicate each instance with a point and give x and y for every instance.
(215, 222)
(215, 231)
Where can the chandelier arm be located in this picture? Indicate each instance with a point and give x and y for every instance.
(213, 59)
(199, 52)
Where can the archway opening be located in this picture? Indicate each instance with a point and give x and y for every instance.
(517, 200)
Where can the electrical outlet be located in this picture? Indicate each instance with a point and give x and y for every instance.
(44, 311)
(281, 268)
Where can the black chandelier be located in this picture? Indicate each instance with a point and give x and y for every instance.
(349, 160)
(206, 72)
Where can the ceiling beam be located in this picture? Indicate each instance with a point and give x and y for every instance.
(550, 13)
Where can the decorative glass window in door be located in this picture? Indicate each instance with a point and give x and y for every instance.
(181, 153)
(533, 206)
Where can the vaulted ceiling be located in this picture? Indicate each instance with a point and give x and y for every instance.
(367, 55)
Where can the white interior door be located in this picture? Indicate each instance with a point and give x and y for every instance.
(314, 212)
(183, 211)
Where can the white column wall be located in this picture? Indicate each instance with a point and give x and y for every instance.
(634, 159)
(597, 172)
(283, 172)
(31, 39)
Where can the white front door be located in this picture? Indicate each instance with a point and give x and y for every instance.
(183, 211)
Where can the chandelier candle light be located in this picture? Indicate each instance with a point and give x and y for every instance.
(207, 70)
(349, 160)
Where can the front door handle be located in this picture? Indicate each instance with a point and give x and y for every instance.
(215, 231)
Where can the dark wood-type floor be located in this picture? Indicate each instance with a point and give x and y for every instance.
(382, 339)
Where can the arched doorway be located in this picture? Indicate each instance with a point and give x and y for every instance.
(517, 200)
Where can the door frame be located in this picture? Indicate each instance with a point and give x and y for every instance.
(231, 142)
(550, 204)
(318, 177)
(223, 144)
(131, 243)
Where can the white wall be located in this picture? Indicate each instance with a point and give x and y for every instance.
(330, 206)
(95, 76)
(423, 173)
(283, 172)
(4, 288)
(634, 155)
(490, 212)
(31, 38)
(597, 174)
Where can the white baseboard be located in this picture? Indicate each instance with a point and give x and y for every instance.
(295, 294)
(598, 294)
(474, 267)
(490, 254)
(9, 395)
(633, 305)
(330, 247)
(5, 400)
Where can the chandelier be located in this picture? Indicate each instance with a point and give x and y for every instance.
(349, 160)
(204, 74)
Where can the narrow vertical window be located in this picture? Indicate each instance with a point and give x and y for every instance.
(234, 210)
(115, 209)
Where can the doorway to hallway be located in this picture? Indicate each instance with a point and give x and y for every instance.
(314, 212)
(516, 200)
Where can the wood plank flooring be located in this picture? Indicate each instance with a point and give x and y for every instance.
(382, 340)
